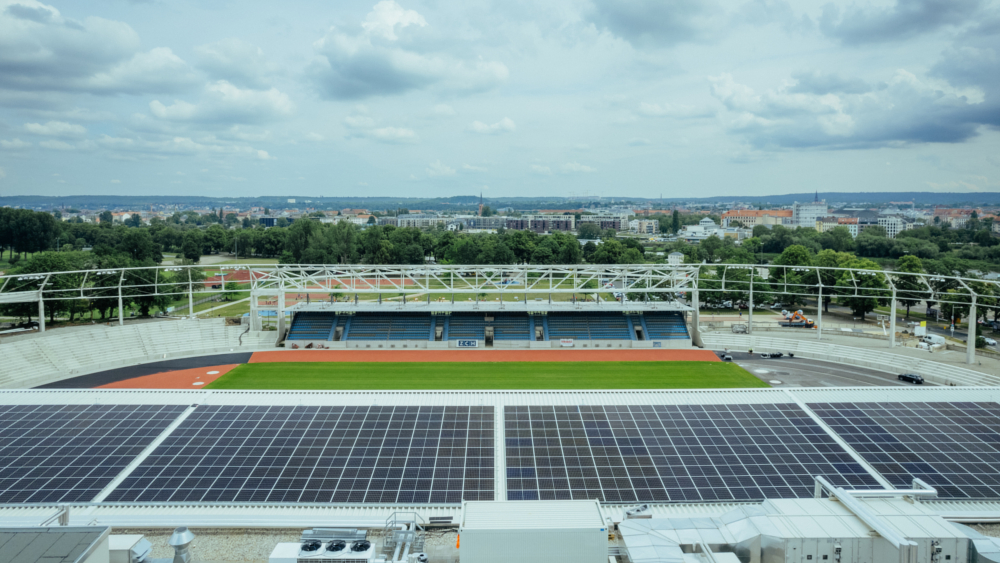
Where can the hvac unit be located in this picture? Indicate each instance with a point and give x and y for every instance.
(570, 531)
(129, 548)
(326, 545)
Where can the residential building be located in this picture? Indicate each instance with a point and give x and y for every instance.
(806, 214)
(829, 223)
(753, 217)
(421, 220)
(541, 223)
(644, 226)
(893, 225)
(616, 221)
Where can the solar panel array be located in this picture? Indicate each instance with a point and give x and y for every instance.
(69, 453)
(378, 454)
(954, 447)
(668, 453)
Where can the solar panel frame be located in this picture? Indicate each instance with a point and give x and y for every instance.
(321, 454)
(953, 446)
(671, 453)
(70, 453)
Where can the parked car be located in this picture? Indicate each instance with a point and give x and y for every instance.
(766, 355)
(727, 358)
(990, 341)
(911, 377)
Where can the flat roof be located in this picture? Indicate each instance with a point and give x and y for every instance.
(50, 545)
(534, 515)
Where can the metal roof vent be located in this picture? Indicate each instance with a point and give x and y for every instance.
(181, 540)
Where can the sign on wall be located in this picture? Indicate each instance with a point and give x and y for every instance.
(468, 343)
(566, 342)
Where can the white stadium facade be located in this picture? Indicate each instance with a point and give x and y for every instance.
(848, 474)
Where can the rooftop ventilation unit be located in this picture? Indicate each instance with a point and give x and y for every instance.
(326, 545)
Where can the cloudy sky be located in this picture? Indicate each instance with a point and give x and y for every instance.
(513, 97)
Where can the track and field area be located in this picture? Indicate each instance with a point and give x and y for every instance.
(487, 375)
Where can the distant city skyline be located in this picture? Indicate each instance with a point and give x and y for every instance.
(399, 98)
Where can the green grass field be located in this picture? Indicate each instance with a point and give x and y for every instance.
(487, 375)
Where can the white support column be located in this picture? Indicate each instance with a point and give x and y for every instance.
(695, 317)
(819, 313)
(281, 314)
(970, 351)
(892, 320)
(41, 313)
(750, 310)
(121, 306)
(254, 316)
(191, 296)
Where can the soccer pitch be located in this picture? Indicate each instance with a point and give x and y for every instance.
(487, 375)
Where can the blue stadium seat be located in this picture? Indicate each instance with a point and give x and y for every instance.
(312, 326)
(665, 326)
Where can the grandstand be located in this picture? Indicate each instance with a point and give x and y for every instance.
(660, 329)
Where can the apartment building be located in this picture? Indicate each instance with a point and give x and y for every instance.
(750, 218)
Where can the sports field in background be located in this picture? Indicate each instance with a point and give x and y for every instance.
(487, 375)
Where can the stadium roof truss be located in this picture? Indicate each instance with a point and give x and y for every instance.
(641, 281)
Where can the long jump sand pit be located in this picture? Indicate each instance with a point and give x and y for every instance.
(456, 355)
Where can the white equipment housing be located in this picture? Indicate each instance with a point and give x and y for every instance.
(555, 531)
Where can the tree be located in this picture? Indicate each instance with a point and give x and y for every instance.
(910, 290)
(215, 238)
(589, 231)
(138, 244)
(135, 220)
(609, 252)
(106, 218)
(588, 250)
(794, 278)
(675, 221)
(192, 246)
(709, 248)
(869, 287)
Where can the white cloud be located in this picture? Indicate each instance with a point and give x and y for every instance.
(639, 142)
(314, 137)
(156, 71)
(539, 169)
(57, 145)
(574, 167)
(437, 168)
(649, 109)
(444, 110)
(116, 181)
(236, 61)
(3, 174)
(505, 125)
(14, 144)
(386, 15)
(262, 155)
(56, 129)
(225, 102)
(393, 135)
(472, 168)
(361, 125)
(377, 62)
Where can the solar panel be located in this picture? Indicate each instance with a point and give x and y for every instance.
(955, 447)
(671, 453)
(69, 453)
(378, 454)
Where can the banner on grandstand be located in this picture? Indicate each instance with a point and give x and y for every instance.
(468, 344)
(566, 342)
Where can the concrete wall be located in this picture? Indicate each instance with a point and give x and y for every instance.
(673, 344)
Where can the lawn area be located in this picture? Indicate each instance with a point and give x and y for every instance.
(487, 375)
